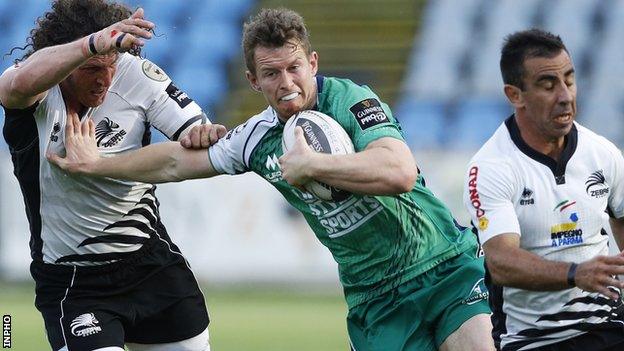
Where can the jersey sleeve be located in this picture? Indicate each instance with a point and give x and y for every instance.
(228, 154)
(616, 195)
(364, 116)
(488, 192)
(167, 108)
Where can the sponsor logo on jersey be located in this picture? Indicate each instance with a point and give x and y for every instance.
(477, 293)
(178, 95)
(474, 194)
(483, 223)
(273, 166)
(565, 234)
(85, 325)
(55, 130)
(106, 134)
(369, 113)
(153, 72)
(596, 186)
(340, 218)
(527, 197)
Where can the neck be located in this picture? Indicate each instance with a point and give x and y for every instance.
(538, 141)
(71, 103)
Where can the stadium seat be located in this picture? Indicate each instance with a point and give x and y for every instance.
(474, 121)
(422, 122)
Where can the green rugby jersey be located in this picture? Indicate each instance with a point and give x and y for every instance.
(378, 242)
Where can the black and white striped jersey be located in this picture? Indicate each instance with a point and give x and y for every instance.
(88, 221)
(560, 210)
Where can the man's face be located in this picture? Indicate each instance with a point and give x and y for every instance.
(89, 83)
(549, 97)
(286, 77)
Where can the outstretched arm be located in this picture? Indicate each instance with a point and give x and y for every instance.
(23, 86)
(158, 163)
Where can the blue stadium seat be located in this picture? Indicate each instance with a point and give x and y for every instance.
(475, 120)
(422, 122)
(207, 85)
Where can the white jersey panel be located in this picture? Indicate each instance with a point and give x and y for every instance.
(560, 214)
(231, 153)
(90, 221)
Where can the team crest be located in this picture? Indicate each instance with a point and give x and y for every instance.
(85, 325)
(153, 72)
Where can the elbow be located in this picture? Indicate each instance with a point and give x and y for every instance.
(404, 180)
(497, 273)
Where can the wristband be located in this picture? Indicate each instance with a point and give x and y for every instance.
(572, 274)
(88, 46)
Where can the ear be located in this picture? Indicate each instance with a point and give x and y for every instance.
(314, 62)
(253, 81)
(514, 95)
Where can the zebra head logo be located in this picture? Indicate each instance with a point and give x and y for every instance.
(85, 325)
(597, 180)
(104, 129)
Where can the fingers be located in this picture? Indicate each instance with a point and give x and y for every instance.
(202, 136)
(84, 128)
(55, 159)
(91, 129)
(139, 13)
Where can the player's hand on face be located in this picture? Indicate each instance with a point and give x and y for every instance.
(80, 146)
(597, 275)
(295, 164)
(121, 36)
(202, 136)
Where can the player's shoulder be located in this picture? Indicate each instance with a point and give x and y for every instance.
(135, 71)
(498, 149)
(257, 125)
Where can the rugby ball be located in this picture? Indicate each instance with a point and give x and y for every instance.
(323, 134)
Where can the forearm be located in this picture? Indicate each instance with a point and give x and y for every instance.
(157, 163)
(46, 68)
(374, 171)
(521, 269)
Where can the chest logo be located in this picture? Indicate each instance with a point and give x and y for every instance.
(107, 133)
(274, 170)
(596, 186)
(55, 130)
(527, 197)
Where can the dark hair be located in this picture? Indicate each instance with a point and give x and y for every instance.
(522, 45)
(69, 20)
(273, 28)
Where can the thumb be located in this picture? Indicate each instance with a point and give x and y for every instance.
(54, 159)
(186, 142)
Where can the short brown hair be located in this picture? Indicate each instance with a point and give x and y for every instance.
(273, 28)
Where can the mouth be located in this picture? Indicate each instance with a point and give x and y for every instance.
(289, 97)
(564, 118)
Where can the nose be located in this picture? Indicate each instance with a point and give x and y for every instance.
(105, 77)
(565, 94)
(286, 81)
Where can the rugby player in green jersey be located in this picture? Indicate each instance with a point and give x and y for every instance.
(411, 276)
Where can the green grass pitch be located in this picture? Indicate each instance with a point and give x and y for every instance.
(242, 319)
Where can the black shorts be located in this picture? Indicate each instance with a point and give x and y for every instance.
(607, 337)
(151, 298)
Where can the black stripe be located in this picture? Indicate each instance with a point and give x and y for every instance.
(119, 40)
(92, 44)
(149, 203)
(114, 238)
(176, 135)
(557, 168)
(570, 315)
(132, 224)
(103, 257)
(22, 137)
(498, 317)
(598, 300)
(252, 132)
(145, 213)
